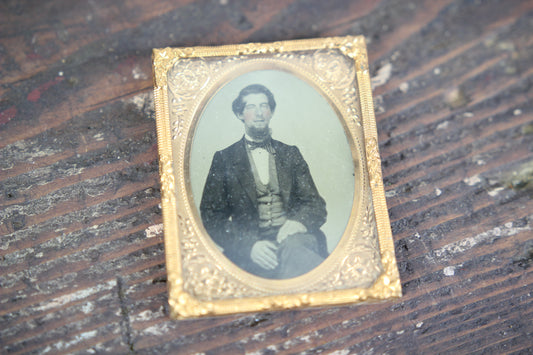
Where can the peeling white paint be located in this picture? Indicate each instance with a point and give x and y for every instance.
(142, 101)
(382, 76)
(87, 308)
(81, 337)
(154, 231)
(471, 181)
(259, 337)
(75, 296)
(390, 193)
(443, 125)
(419, 324)
(496, 191)
(157, 329)
(449, 271)
(22, 152)
(466, 244)
(340, 352)
(404, 87)
(306, 338)
(273, 348)
(147, 315)
(138, 74)
(438, 192)
(61, 345)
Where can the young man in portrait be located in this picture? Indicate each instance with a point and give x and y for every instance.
(260, 203)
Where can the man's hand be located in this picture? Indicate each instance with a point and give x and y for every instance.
(264, 254)
(289, 228)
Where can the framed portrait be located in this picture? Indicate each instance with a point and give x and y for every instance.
(272, 193)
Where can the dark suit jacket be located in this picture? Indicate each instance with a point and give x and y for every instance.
(229, 202)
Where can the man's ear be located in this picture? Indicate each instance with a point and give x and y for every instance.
(240, 117)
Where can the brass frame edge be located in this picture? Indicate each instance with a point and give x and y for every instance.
(386, 241)
(168, 199)
(184, 305)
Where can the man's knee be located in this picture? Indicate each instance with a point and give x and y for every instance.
(300, 240)
(298, 255)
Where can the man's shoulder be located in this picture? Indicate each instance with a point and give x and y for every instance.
(231, 152)
(281, 147)
(232, 148)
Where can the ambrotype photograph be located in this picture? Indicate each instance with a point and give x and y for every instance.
(271, 177)
(279, 189)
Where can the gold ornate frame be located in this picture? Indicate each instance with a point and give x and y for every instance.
(201, 281)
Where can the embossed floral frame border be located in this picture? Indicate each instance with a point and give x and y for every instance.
(201, 280)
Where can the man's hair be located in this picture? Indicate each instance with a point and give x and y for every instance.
(238, 103)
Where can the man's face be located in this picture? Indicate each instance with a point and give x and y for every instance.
(256, 115)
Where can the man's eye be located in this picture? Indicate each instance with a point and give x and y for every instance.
(249, 107)
(265, 106)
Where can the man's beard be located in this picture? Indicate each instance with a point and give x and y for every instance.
(259, 134)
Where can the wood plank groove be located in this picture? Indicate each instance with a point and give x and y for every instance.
(53, 273)
(82, 305)
(471, 332)
(409, 127)
(392, 162)
(74, 206)
(502, 345)
(478, 275)
(430, 10)
(439, 204)
(413, 325)
(429, 194)
(45, 267)
(46, 236)
(280, 330)
(62, 348)
(75, 43)
(67, 179)
(431, 181)
(75, 314)
(414, 268)
(449, 56)
(200, 349)
(73, 106)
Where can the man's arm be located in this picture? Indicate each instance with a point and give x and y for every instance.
(306, 205)
(216, 210)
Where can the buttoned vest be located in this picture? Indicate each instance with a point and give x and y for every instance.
(269, 201)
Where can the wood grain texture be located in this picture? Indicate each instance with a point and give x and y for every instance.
(79, 176)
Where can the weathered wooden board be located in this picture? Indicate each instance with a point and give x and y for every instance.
(80, 272)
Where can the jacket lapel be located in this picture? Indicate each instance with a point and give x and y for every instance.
(243, 171)
(283, 170)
